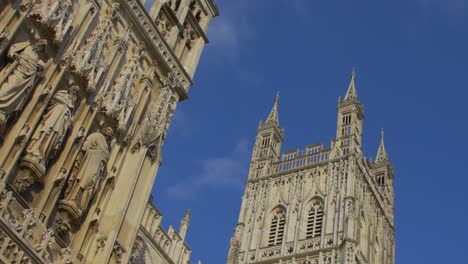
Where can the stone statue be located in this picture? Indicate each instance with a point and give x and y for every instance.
(56, 14)
(89, 169)
(18, 78)
(50, 134)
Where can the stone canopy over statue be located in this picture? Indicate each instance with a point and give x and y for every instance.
(18, 78)
(85, 179)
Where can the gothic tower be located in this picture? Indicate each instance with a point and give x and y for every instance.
(318, 205)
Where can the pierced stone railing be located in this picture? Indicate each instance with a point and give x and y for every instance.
(300, 161)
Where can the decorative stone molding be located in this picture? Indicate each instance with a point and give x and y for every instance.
(158, 40)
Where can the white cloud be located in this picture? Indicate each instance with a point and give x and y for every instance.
(224, 172)
(231, 28)
(182, 125)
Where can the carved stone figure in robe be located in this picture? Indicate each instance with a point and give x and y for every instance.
(50, 134)
(89, 169)
(18, 78)
(56, 14)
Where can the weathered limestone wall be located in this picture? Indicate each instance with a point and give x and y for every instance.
(87, 92)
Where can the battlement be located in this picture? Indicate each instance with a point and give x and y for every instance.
(299, 158)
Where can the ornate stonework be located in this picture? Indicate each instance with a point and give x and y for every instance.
(87, 92)
(318, 205)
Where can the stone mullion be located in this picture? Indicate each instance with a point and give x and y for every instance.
(7, 21)
(336, 220)
(341, 190)
(300, 210)
(265, 212)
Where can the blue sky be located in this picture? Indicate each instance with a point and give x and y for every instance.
(411, 59)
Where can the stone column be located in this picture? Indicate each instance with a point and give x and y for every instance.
(156, 8)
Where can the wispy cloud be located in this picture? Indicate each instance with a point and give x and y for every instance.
(231, 28)
(224, 172)
(182, 125)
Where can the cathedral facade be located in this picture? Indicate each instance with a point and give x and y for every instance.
(318, 205)
(87, 92)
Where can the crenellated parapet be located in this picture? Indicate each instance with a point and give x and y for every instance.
(155, 245)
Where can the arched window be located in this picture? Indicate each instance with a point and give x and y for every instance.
(278, 222)
(315, 219)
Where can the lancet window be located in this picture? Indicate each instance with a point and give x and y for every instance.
(315, 219)
(278, 222)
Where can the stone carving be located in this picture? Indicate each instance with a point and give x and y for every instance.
(118, 103)
(89, 169)
(47, 239)
(48, 138)
(190, 36)
(88, 60)
(56, 14)
(18, 78)
(178, 72)
(164, 25)
(161, 111)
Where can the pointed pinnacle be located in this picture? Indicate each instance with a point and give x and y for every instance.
(352, 91)
(273, 116)
(382, 152)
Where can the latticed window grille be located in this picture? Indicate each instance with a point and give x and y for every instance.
(315, 219)
(278, 223)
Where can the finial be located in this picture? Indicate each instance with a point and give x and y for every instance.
(382, 152)
(351, 93)
(273, 116)
(187, 214)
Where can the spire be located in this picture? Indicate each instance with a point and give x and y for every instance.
(184, 224)
(273, 116)
(352, 91)
(382, 152)
(186, 219)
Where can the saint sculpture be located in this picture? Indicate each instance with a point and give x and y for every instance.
(48, 138)
(17, 79)
(88, 172)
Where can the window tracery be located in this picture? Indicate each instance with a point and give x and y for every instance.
(315, 219)
(278, 222)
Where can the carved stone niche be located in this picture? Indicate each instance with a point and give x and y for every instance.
(164, 24)
(84, 182)
(19, 77)
(56, 15)
(48, 139)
